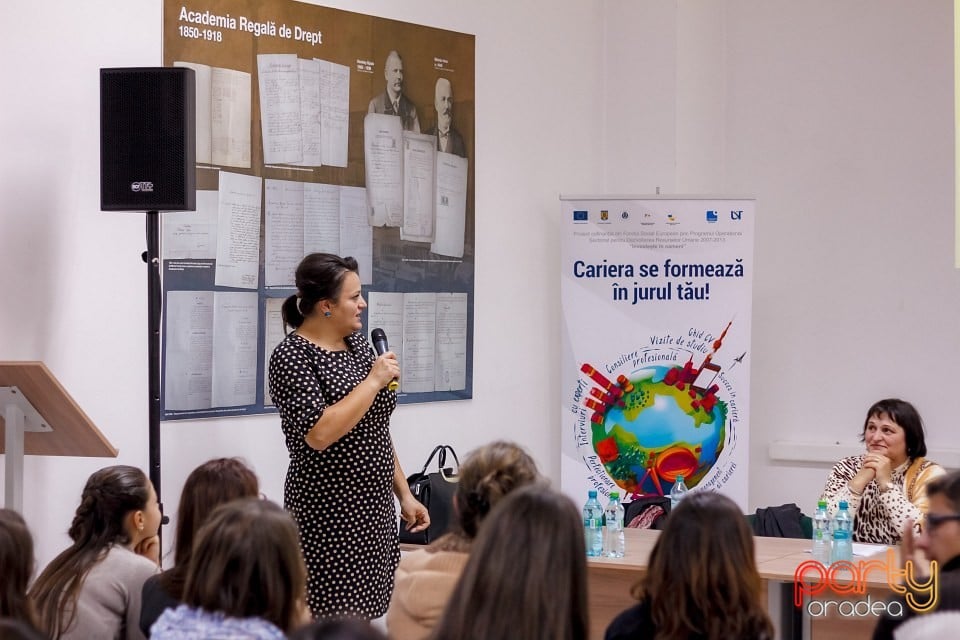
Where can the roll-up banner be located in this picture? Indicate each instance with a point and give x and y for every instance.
(656, 299)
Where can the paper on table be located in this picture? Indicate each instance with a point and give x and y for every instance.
(867, 550)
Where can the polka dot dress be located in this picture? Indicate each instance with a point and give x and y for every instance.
(342, 497)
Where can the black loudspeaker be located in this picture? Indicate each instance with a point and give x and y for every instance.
(148, 139)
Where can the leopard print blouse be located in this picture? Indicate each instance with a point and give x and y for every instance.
(878, 517)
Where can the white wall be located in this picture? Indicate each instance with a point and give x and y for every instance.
(836, 116)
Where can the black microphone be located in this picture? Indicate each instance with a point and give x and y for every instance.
(379, 339)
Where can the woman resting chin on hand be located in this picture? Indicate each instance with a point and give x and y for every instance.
(886, 486)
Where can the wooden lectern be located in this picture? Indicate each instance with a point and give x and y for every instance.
(38, 417)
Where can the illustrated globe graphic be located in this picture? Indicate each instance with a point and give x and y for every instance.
(661, 431)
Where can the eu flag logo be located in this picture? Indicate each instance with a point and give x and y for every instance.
(579, 216)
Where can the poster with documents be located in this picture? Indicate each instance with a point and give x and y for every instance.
(318, 130)
(655, 363)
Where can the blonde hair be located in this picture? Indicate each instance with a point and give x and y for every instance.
(487, 475)
(535, 536)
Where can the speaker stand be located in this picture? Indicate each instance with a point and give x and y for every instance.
(154, 309)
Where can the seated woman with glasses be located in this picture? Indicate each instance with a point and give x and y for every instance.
(887, 485)
(940, 542)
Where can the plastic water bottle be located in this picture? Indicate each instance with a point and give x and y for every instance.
(821, 534)
(614, 543)
(593, 525)
(677, 493)
(842, 535)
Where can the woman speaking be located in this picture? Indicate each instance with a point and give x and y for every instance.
(331, 390)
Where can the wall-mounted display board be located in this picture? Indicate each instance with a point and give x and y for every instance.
(318, 130)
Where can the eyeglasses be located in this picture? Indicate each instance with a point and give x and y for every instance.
(934, 520)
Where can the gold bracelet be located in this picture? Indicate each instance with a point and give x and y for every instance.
(854, 493)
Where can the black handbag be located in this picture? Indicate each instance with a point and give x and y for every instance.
(435, 492)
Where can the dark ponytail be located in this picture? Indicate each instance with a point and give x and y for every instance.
(109, 495)
(319, 277)
(290, 313)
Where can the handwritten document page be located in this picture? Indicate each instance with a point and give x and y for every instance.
(273, 334)
(234, 348)
(188, 341)
(419, 342)
(385, 311)
(279, 75)
(451, 364)
(310, 112)
(203, 123)
(356, 234)
(230, 117)
(192, 234)
(283, 231)
(382, 157)
(451, 205)
(238, 231)
(419, 164)
(223, 115)
(334, 112)
(321, 218)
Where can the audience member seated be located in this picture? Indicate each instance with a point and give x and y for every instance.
(526, 576)
(16, 569)
(246, 578)
(701, 580)
(207, 487)
(12, 629)
(92, 589)
(339, 630)
(887, 485)
(426, 577)
(939, 541)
